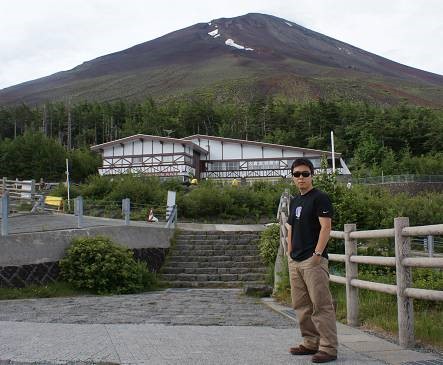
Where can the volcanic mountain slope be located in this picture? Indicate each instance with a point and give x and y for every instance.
(246, 56)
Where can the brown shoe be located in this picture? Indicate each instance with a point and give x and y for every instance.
(322, 356)
(301, 350)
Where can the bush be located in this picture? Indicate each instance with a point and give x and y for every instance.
(268, 244)
(101, 266)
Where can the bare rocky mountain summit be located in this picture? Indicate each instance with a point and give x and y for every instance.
(247, 56)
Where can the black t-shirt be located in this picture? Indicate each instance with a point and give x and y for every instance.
(304, 211)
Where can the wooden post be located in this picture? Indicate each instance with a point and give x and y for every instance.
(351, 273)
(404, 280)
(430, 245)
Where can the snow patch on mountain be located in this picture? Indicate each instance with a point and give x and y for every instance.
(231, 43)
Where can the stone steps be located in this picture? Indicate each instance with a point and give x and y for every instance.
(218, 264)
(214, 270)
(213, 284)
(213, 277)
(204, 235)
(216, 252)
(214, 259)
(219, 258)
(214, 245)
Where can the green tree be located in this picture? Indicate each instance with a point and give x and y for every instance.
(32, 156)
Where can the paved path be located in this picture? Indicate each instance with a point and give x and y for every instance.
(43, 222)
(175, 326)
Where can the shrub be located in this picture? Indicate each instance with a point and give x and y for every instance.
(101, 266)
(268, 244)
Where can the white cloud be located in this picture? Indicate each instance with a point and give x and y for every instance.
(42, 37)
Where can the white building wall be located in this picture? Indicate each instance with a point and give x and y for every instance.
(290, 153)
(251, 151)
(215, 149)
(231, 151)
(107, 152)
(138, 145)
(168, 147)
(118, 150)
(272, 152)
(157, 147)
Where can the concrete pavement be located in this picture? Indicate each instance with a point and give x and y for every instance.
(175, 326)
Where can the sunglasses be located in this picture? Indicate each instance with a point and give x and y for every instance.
(301, 173)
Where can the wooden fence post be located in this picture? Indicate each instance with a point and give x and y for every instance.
(404, 280)
(351, 273)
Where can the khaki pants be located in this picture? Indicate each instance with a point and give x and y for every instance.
(312, 302)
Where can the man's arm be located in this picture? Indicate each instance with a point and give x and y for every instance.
(289, 238)
(325, 233)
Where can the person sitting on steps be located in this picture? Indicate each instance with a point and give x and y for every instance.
(150, 217)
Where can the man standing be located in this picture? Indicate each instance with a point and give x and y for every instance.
(309, 228)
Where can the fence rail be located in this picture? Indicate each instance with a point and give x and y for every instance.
(388, 179)
(118, 210)
(402, 234)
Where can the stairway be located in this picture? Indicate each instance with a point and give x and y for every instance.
(214, 259)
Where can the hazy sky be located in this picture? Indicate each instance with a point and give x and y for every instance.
(41, 37)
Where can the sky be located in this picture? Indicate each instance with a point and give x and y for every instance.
(42, 37)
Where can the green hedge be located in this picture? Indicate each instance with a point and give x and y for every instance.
(101, 266)
(269, 243)
(368, 206)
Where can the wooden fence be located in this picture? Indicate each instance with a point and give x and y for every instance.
(402, 262)
(17, 189)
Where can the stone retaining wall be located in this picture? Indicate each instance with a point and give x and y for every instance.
(48, 272)
(32, 258)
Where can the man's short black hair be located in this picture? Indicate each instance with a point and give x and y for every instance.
(302, 161)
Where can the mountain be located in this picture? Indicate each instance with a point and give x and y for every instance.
(243, 57)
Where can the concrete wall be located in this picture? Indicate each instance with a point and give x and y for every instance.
(41, 247)
(32, 258)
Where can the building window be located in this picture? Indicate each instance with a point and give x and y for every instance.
(232, 165)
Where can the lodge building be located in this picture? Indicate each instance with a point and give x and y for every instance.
(204, 157)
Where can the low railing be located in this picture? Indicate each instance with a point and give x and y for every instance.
(402, 262)
(388, 179)
(109, 209)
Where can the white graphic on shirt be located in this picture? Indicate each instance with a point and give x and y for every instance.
(298, 212)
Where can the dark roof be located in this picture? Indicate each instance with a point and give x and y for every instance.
(149, 137)
(307, 151)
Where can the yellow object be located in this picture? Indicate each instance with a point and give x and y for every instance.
(55, 201)
(235, 182)
(194, 182)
